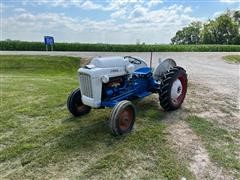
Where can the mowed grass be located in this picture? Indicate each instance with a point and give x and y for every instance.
(219, 143)
(40, 139)
(232, 58)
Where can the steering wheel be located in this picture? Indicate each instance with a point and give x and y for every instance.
(133, 60)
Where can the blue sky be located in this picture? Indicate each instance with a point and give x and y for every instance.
(107, 21)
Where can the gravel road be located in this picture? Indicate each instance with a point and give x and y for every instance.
(204, 68)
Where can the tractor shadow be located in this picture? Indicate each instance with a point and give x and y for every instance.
(149, 109)
(89, 130)
(94, 130)
(91, 134)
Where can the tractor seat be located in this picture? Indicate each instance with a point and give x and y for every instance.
(143, 72)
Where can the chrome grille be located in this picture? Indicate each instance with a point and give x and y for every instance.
(86, 85)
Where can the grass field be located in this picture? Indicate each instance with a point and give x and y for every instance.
(232, 58)
(41, 140)
(39, 46)
(39, 136)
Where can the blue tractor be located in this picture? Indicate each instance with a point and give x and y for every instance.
(115, 81)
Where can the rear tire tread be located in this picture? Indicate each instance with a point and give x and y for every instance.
(165, 93)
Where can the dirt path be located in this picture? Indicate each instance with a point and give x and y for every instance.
(219, 108)
(190, 148)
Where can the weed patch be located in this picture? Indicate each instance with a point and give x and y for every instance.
(232, 59)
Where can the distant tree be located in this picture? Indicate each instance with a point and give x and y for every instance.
(236, 17)
(208, 33)
(223, 30)
(188, 35)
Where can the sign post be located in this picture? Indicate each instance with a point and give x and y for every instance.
(49, 40)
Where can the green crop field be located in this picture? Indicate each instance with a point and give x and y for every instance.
(39, 46)
(39, 138)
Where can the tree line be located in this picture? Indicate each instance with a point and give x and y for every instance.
(224, 29)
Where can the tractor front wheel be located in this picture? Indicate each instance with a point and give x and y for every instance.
(75, 104)
(173, 88)
(122, 118)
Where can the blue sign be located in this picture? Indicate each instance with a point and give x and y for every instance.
(48, 40)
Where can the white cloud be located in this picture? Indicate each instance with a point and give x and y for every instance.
(97, 26)
(168, 14)
(138, 12)
(92, 6)
(216, 14)
(187, 9)
(137, 22)
(19, 10)
(229, 1)
(54, 3)
(87, 4)
(57, 3)
(116, 5)
(32, 27)
(153, 3)
(28, 26)
(111, 5)
(121, 13)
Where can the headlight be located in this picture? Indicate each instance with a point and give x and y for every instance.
(105, 79)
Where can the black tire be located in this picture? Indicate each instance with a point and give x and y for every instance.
(122, 118)
(75, 104)
(168, 99)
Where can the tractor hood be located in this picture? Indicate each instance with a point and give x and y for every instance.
(108, 62)
(126, 63)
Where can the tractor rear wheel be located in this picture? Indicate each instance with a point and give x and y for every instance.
(173, 88)
(75, 104)
(122, 118)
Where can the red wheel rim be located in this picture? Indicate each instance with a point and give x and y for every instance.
(126, 118)
(183, 80)
(178, 90)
